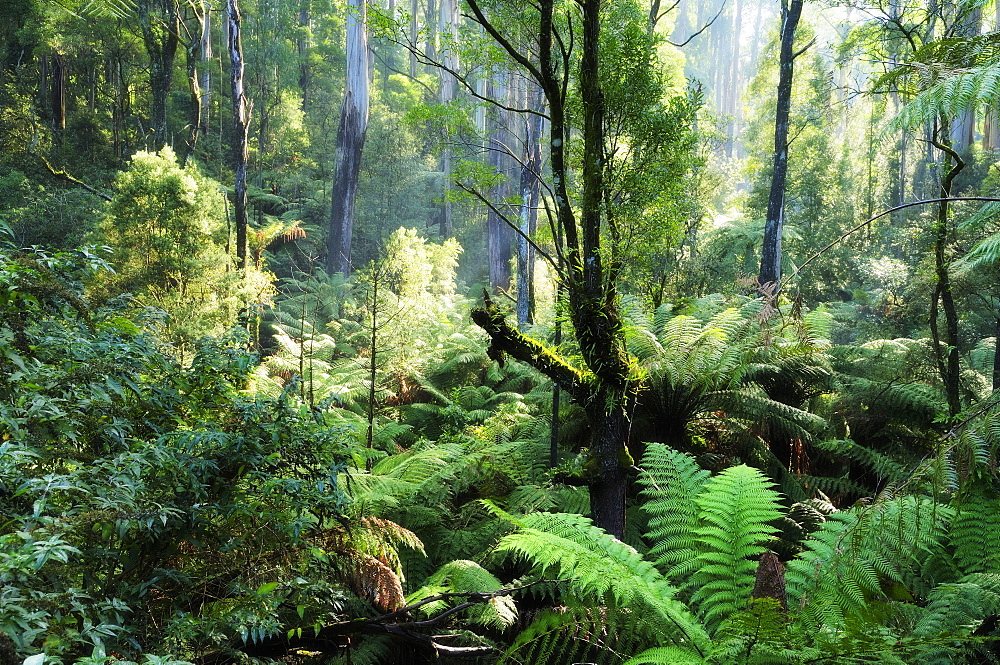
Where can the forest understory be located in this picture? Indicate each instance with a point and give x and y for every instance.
(547, 333)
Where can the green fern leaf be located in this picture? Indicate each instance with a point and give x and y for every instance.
(735, 509)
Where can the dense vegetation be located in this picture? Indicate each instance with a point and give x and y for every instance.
(448, 332)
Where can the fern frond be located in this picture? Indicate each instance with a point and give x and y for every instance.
(975, 529)
(467, 576)
(953, 612)
(602, 569)
(735, 509)
(670, 481)
(858, 556)
(666, 656)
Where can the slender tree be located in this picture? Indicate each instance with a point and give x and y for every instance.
(350, 141)
(606, 388)
(448, 29)
(770, 262)
(160, 23)
(241, 122)
(499, 237)
(529, 190)
(946, 346)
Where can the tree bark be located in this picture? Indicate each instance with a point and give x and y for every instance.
(770, 261)
(59, 79)
(241, 121)
(946, 348)
(350, 142)
(499, 235)
(530, 186)
(195, 55)
(447, 25)
(302, 46)
(160, 23)
(206, 73)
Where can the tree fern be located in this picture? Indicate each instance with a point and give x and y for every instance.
(975, 530)
(666, 656)
(859, 560)
(953, 612)
(947, 76)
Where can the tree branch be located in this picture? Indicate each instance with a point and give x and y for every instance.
(868, 221)
(62, 175)
(702, 29)
(511, 50)
(508, 222)
(386, 624)
(507, 340)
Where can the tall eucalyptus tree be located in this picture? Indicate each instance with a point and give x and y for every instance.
(350, 141)
(241, 123)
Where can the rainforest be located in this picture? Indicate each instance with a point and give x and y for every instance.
(549, 332)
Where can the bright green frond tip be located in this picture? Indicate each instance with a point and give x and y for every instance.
(666, 656)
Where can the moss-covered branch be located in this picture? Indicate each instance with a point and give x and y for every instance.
(506, 340)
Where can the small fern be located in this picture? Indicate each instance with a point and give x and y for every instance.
(734, 512)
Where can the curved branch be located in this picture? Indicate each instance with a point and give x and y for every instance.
(63, 175)
(511, 50)
(702, 29)
(508, 222)
(850, 232)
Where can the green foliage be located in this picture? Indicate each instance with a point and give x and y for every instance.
(467, 576)
(671, 480)
(734, 509)
(140, 497)
(602, 569)
(168, 229)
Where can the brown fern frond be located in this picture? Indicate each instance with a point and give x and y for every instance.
(373, 579)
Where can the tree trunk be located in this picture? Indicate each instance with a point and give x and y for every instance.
(770, 261)
(608, 439)
(499, 235)
(414, 8)
(529, 190)
(206, 73)
(946, 348)
(241, 121)
(302, 46)
(350, 142)
(194, 55)
(606, 388)
(58, 101)
(447, 25)
(160, 23)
